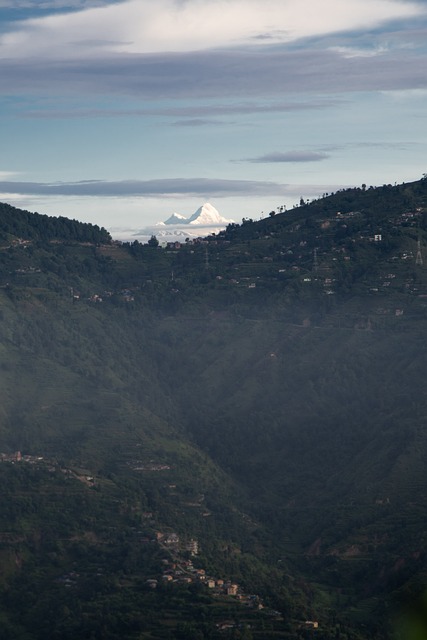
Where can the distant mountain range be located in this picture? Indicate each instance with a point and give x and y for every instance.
(206, 215)
(205, 221)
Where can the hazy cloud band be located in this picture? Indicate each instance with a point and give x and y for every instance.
(171, 186)
(184, 76)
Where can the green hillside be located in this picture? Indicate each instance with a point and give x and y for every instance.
(258, 396)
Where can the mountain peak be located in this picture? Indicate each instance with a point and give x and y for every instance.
(176, 218)
(207, 214)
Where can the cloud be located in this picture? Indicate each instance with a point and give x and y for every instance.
(196, 122)
(290, 156)
(197, 112)
(409, 95)
(105, 192)
(42, 5)
(176, 49)
(218, 74)
(144, 26)
(372, 145)
(7, 175)
(145, 188)
(353, 52)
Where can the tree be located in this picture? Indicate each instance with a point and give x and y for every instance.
(153, 242)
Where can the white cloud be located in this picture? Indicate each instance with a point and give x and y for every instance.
(408, 95)
(143, 26)
(8, 175)
(351, 52)
(290, 156)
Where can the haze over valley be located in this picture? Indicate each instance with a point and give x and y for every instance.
(219, 437)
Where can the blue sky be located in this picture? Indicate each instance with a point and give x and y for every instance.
(120, 113)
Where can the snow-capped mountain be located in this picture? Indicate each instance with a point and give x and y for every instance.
(175, 218)
(205, 216)
(205, 221)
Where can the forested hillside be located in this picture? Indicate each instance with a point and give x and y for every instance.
(221, 439)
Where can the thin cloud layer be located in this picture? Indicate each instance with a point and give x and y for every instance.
(196, 113)
(204, 75)
(290, 156)
(143, 26)
(146, 188)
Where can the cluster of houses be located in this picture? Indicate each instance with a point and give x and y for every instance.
(126, 295)
(290, 258)
(17, 456)
(49, 464)
(138, 465)
(179, 569)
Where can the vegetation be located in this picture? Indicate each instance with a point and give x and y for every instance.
(261, 392)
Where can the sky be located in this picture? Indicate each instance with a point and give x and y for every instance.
(123, 112)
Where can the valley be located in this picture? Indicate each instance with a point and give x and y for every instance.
(257, 395)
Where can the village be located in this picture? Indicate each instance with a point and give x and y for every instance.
(323, 254)
(180, 565)
(179, 569)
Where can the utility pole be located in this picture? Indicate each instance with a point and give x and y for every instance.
(419, 258)
(315, 261)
